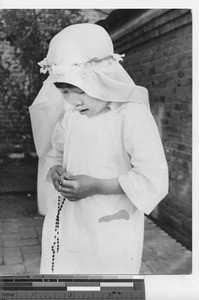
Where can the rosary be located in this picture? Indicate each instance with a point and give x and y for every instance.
(55, 246)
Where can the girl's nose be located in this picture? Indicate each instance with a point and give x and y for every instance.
(75, 100)
(78, 102)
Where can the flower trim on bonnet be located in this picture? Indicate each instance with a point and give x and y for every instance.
(61, 70)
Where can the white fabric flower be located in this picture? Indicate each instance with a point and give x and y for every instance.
(44, 66)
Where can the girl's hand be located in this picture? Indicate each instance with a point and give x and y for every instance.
(78, 187)
(57, 173)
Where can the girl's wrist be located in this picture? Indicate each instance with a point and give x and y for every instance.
(95, 186)
(107, 186)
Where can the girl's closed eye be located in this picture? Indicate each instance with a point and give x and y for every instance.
(64, 92)
(81, 92)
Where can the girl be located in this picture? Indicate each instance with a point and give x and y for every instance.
(102, 154)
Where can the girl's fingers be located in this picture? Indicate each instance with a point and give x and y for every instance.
(55, 180)
(67, 183)
(71, 199)
(69, 196)
(67, 191)
(63, 188)
(57, 185)
(63, 176)
(56, 177)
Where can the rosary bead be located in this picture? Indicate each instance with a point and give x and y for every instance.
(56, 238)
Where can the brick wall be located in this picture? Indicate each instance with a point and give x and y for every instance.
(158, 52)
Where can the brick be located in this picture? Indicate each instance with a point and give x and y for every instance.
(145, 269)
(11, 237)
(25, 242)
(39, 229)
(32, 262)
(31, 222)
(12, 269)
(11, 227)
(31, 249)
(1, 228)
(38, 221)
(161, 243)
(28, 233)
(12, 256)
(164, 121)
(148, 253)
(31, 256)
(1, 255)
(39, 232)
(159, 266)
(181, 147)
(149, 239)
(181, 265)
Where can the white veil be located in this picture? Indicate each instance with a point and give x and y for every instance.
(81, 55)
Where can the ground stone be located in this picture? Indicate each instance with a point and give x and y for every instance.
(12, 227)
(28, 233)
(12, 269)
(12, 256)
(31, 249)
(26, 242)
(32, 262)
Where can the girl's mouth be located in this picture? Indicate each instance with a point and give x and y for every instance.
(83, 111)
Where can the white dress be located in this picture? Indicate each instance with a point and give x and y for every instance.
(103, 234)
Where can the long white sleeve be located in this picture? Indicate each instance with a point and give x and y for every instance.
(55, 155)
(146, 184)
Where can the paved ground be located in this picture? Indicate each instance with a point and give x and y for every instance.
(20, 237)
(20, 249)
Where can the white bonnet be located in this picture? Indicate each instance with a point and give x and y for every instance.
(83, 55)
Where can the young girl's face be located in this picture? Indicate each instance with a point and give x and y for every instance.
(83, 103)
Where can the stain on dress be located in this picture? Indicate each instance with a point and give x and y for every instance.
(120, 215)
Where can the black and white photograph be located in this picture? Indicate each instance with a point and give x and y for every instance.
(96, 141)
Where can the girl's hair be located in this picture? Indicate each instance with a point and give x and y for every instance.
(62, 85)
